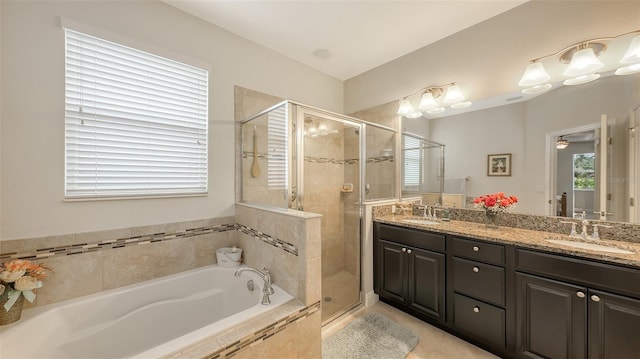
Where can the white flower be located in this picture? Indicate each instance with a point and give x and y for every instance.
(26, 283)
(10, 277)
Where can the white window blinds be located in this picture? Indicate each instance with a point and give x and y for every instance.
(135, 123)
(277, 166)
(412, 168)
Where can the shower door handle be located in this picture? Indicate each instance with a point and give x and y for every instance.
(367, 187)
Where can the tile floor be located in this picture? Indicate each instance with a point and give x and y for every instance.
(343, 289)
(433, 344)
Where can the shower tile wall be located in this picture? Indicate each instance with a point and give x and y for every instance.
(382, 170)
(324, 177)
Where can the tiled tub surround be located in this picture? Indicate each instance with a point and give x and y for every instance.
(286, 243)
(530, 238)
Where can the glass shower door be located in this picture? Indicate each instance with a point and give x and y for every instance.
(330, 186)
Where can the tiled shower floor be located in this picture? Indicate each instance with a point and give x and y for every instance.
(339, 292)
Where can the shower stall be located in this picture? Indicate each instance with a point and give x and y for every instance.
(304, 158)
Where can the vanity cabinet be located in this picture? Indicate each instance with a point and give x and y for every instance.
(563, 313)
(477, 278)
(410, 270)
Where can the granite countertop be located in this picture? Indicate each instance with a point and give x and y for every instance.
(524, 238)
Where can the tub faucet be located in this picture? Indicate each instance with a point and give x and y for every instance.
(267, 289)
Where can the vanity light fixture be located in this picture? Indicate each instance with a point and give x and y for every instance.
(433, 100)
(561, 143)
(583, 63)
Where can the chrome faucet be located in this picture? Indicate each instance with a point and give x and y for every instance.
(267, 289)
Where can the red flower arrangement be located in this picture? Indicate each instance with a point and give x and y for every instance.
(495, 202)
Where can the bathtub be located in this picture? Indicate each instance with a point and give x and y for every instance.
(144, 320)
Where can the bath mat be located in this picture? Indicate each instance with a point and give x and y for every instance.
(370, 337)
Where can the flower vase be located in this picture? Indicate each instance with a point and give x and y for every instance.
(491, 219)
(14, 313)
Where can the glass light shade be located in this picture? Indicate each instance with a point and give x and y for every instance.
(534, 74)
(460, 105)
(537, 89)
(312, 130)
(633, 52)
(453, 95)
(427, 101)
(583, 62)
(435, 111)
(628, 70)
(581, 79)
(561, 144)
(405, 108)
(322, 126)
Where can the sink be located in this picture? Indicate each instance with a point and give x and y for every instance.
(419, 221)
(590, 246)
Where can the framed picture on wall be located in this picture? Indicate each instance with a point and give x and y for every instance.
(499, 165)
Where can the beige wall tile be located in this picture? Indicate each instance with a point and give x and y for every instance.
(73, 276)
(281, 345)
(309, 343)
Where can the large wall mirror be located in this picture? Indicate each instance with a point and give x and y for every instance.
(595, 119)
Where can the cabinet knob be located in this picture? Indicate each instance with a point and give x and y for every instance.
(476, 269)
(580, 294)
(476, 249)
(595, 298)
(409, 250)
(404, 249)
(476, 309)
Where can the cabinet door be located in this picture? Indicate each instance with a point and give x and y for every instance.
(393, 271)
(614, 326)
(551, 318)
(426, 282)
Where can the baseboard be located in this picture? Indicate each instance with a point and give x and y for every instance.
(370, 299)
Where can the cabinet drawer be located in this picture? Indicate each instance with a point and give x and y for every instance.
(479, 320)
(482, 281)
(418, 239)
(477, 250)
(590, 273)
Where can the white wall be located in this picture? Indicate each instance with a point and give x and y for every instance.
(32, 118)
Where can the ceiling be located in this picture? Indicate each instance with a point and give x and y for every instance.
(344, 38)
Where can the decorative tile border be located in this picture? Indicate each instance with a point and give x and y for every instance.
(265, 333)
(79, 248)
(286, 246)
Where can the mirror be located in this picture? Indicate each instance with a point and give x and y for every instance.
(528, 132)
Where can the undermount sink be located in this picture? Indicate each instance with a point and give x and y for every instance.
(589, 246)
(419, 221)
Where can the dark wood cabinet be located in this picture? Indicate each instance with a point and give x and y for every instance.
(562, 319)
(551, 318)
(614, 326)
(514, 301)
(407, 276)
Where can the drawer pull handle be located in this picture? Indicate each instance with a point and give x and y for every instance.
(595, 298)
(476, 248)
(404, 249)
(476, 309)
(580, 294)
(476, 269)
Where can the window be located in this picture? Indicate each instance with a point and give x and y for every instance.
(412, 163)
(584, 171)
(277, 148)
(135, 123)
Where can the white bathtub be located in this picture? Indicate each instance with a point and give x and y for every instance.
(143, 320)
